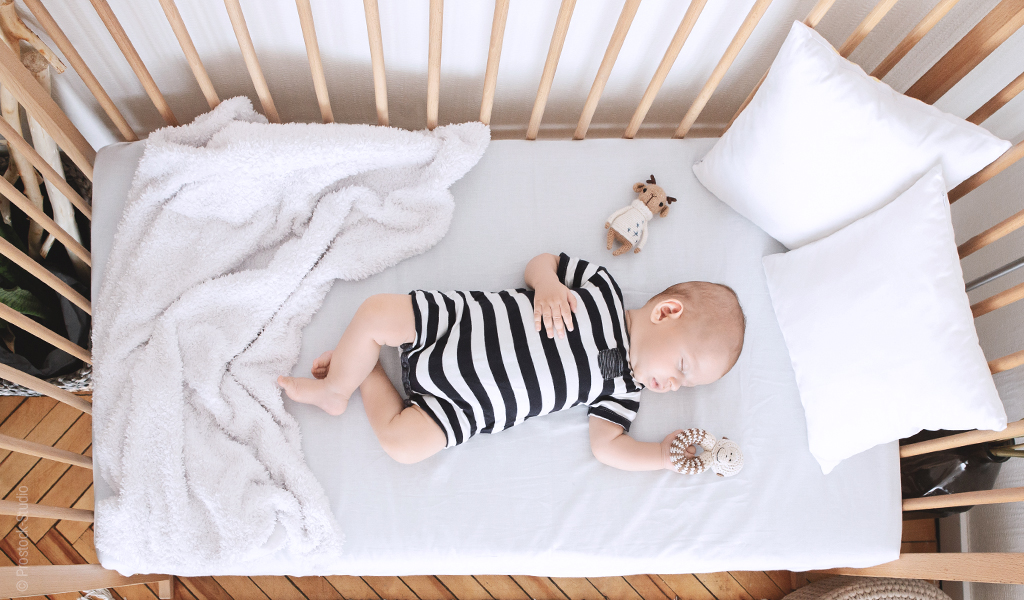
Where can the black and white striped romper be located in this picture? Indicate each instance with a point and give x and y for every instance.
(478, 365)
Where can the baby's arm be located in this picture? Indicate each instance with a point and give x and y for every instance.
(613, 447)
(553, 303)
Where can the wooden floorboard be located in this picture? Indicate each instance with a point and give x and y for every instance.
(352, 588)
(464, 587)
(577, 588)
(46, 421)
(501, 587)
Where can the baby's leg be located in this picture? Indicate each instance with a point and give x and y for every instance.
(407, 434)
(382, 320)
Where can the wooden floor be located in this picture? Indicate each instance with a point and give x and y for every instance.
(45, 542)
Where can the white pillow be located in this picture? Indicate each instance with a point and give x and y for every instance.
(823, 144)
(880, 330)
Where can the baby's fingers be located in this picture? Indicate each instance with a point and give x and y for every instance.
(556, 315)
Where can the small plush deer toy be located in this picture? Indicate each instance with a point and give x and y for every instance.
(629, 225)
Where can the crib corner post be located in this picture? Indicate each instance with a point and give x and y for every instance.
(165, 588)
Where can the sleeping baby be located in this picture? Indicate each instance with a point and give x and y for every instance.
(481, 362)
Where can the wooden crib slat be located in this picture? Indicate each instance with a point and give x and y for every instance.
(864, 28)
(812, 20)
(1013, 430)
(916, 34)
(21, 321)
(753, 17)
(997, 166)
(671, 53)
(1010, 361)
(550, 64)
(21, 259)
(191, 54)
(999, 300)
(14, 139)
(47, 389)
(998, 101)
(165, 588)
(134, 60)
(436, 21)
(991, 234)
(43, 451)
(57, 35)
(36, 214)
(380, 86)
(1000, 23)
(982, 567)
(1000, 496)
(16, 78)
(251, 62)
(58, 579)
(316, 65)
(493, 58)
(816, 14)
(607, 63)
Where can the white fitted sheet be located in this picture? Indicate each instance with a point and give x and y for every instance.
(533, 500)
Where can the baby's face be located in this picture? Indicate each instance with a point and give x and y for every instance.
(675, 353)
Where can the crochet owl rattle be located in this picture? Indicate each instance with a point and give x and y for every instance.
(722, 456)
(629, 225)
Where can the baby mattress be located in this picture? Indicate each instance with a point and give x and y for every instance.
(533, 500)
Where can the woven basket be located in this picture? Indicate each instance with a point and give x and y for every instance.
(79, 381)
(868, 588)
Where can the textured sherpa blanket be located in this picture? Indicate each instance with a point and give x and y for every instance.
(234, 231)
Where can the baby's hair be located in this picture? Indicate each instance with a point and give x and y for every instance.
(714, 301)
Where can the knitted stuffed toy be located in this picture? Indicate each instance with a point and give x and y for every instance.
(629, 225)
(722, 456)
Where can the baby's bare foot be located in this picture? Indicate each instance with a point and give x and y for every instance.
(315, 392)
(322, 365)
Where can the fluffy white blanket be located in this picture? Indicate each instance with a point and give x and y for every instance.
(234, 231)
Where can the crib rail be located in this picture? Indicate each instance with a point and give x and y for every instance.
(16, 78)
(812, 19)
(983, 567)
(997, 496)
(195, 63)
(1002, 21)
(59, 579)
(57, 35)
(493, 59)
(674, 47)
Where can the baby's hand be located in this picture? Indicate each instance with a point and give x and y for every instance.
(666, 446)
(553, 305)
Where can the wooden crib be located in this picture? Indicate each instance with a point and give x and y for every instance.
(1002, 21)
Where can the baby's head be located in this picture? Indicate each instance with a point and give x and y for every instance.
(690, 334)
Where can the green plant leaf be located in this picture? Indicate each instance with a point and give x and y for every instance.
(24, 302)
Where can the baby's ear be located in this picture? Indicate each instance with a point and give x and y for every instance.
(637, 187)
(667, 309)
